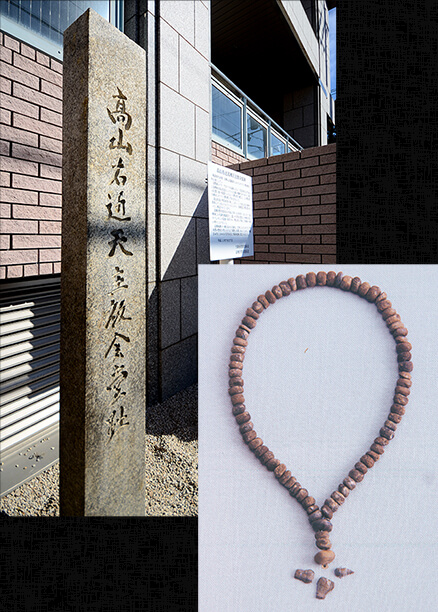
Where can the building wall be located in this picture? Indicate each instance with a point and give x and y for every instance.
(294, 199)
(223, 156)
(30, 161)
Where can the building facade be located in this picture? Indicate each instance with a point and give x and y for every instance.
(227, 81)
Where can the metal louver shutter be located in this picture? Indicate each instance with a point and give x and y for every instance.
(29, 358)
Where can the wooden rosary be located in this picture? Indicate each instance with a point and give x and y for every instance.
(319, 518)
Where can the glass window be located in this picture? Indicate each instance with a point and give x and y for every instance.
(257, 136)
(277, 145)
(227, 118)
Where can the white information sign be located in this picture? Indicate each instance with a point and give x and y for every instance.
(230, 213)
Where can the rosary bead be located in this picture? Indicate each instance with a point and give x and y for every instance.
(321, 535)
(385, 432)
(346, 283)
(308, 502)
(276, 290)
(301, 281)
(403, 346)
(338, 497)
(238, 399)
(284, 477)
(404, 357)
(279, 470)
(356, 475)
(349, 482)
(389, 312)
(235, 390)
(301, 495)
(322, 525)
(293, 490)
(397, 409)
(363, 289)
(244, 417)
(381, 441)
(326, 511)
(321, 279)
(338, 279)
(400, 399)
(361, 467)
(311, 279)
(331, 503)
(355, 284)
(250, 312)
(406, 366)
(324, 557)
(373, 293)
(236, 381)
(249, 322)
(394, 417)
(377, 448)
(290, 483)
(402, 390)
(237, 357)
(253, 444)
(249, 435)
(374, 456)
(383, 305)
(261, 450)
(395, 326)
(400, 332)
(381, 297)
(324, 544)
(240, 342)
(305, 576)
(344, 490)
(242, 333)
(245, 328)
(405, 375)
(331, 277)
(390, 425)
(292, 283)
(263, 301)
(312, 508)
(246, 427)
(285, 288)
(233, 372)
(267, 457)
(235, 365)
(367, 460)
(315, 515)
(238, 409)
(257, 307)
(272, 464)
(392, 319)
(270, 296)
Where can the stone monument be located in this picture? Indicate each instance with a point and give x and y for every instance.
(102, 428)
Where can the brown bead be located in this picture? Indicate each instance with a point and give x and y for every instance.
(292, 283)
(385, 432)
(381, 441)
(349, 482)
(249, 322)
(270, 296)
(308, 502)
(340, 572)
(355, 284)
(238, 409)
(279, 470)
(302, 494)
(246, 427)
(406, 366)
(235, 365)
(381, 297)
(324, 544)
(267, 457)
(389, 312)
(363, 289)
(400, 339)
(257, 307)
(338, 279)
(245, 328)
(377, 448)
(356, 475)
(238, 349)
(272, 464)
(284, 477)
(324, 557)
(367, 460)
(344, 490)
(311, 279)
(240, 342)
(397, 409)
(321, 535)
(392, 319)
(404, 391)
(315, 515)
(324, 585)
(403, 346)
(405, 375)
(261, 450)
(345, 284)
(241, 333)
(361, 467)
(243, 418)
(331, 277)
(295, 488)
(404, 357)
(290, 482)
(331, 503)
(383, 305)
(373, 293)
(238, 399)
(263, 301)
(301, 281)
(237, 357)
(322, 524)
(234, 372)
(338, 497)
(374, 456)
(235, 390)
(276, 290)
(236, 381)
(400, 332)
(401, 399)
(321, 278)
(395, 326)
(313, 508)
(285, 288)
(255, 443)
(249, 435)
(327, 512)
(394, 417)
(390, 425)
(305, 576)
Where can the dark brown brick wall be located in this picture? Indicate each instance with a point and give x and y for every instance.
(30, 160)
(294, 199)
(224, 157)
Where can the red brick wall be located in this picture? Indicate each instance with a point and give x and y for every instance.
(294, 199)
(224, 157)
(30, 160)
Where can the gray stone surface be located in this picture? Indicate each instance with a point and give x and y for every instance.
(102, 437)
(179, 361)
(170, 300)
(203, 135)
(194, 75)
(177, 122)
(169, 67)
(178, 247)
(170, 182)
(193, 185)
(181, 16)
(202, 33)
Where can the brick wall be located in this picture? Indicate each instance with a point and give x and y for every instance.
(294, 199)
(30, 160)
(224, 157)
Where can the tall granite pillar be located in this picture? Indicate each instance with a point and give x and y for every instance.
(102, 470)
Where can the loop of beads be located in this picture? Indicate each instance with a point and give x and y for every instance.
(319, 518)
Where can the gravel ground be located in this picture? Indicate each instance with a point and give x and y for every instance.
(171, 466)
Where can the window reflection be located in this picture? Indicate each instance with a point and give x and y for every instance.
(227, 118)
(257, 135)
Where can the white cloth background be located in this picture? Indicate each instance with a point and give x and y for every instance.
(320, 372)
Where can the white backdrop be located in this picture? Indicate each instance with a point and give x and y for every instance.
(320, 372)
